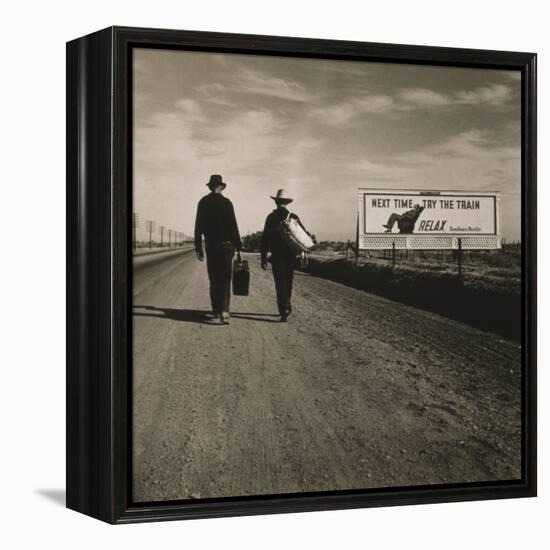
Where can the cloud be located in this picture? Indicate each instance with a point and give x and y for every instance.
(469, 160)
(495, 95)
(344, 112)
(246, 80)
(256, 82)
(410, 100)
(479, 145)
(247, 139)
(191, 110)
(343, 69)
(512, 75)
(421, 97)
(215, 93)
(368, 170)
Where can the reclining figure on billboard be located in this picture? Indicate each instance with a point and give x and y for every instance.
(405, 221)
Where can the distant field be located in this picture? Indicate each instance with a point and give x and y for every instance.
(488, 296)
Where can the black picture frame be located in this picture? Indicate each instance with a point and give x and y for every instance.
(99, 272)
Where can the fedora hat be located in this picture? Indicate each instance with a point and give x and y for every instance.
(215, 180)
(282, 196)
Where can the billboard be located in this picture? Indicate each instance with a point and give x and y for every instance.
(428, 219)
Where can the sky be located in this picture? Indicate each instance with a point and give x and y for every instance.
(319, 129)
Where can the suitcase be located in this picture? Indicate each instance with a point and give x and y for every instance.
(241, 278)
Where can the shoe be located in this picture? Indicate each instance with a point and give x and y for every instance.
(289, 311)
(224, 317)
(283, 318)
(387, 231)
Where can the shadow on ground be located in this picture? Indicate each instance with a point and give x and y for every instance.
(200, 316)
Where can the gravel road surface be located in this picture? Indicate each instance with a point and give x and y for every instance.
(355, 391)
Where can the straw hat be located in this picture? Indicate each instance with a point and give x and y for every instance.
(282, 197)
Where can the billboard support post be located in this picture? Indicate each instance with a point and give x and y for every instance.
(357, 240)
(459, 257)
(393, 254)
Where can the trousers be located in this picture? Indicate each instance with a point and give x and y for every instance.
(219, 265)
(404, 223)
(392, 219)
(283, 275)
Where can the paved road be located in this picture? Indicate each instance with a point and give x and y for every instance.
(356, 391)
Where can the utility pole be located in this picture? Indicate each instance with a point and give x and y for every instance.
(162, 228)
(150, 227)
(169, 238)
(135, 225)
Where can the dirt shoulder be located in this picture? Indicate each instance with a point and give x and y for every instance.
(480, 299)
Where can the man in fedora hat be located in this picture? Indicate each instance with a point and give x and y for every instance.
(283, 258)
(216, 221)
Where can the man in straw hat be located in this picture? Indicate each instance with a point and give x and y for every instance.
(283, 258)
(216, 221)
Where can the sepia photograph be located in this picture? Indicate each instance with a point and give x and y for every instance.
(327, 275)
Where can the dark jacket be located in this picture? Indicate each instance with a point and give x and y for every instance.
(408, 219)
(216, 221)
(271, 238)
(413, 214)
